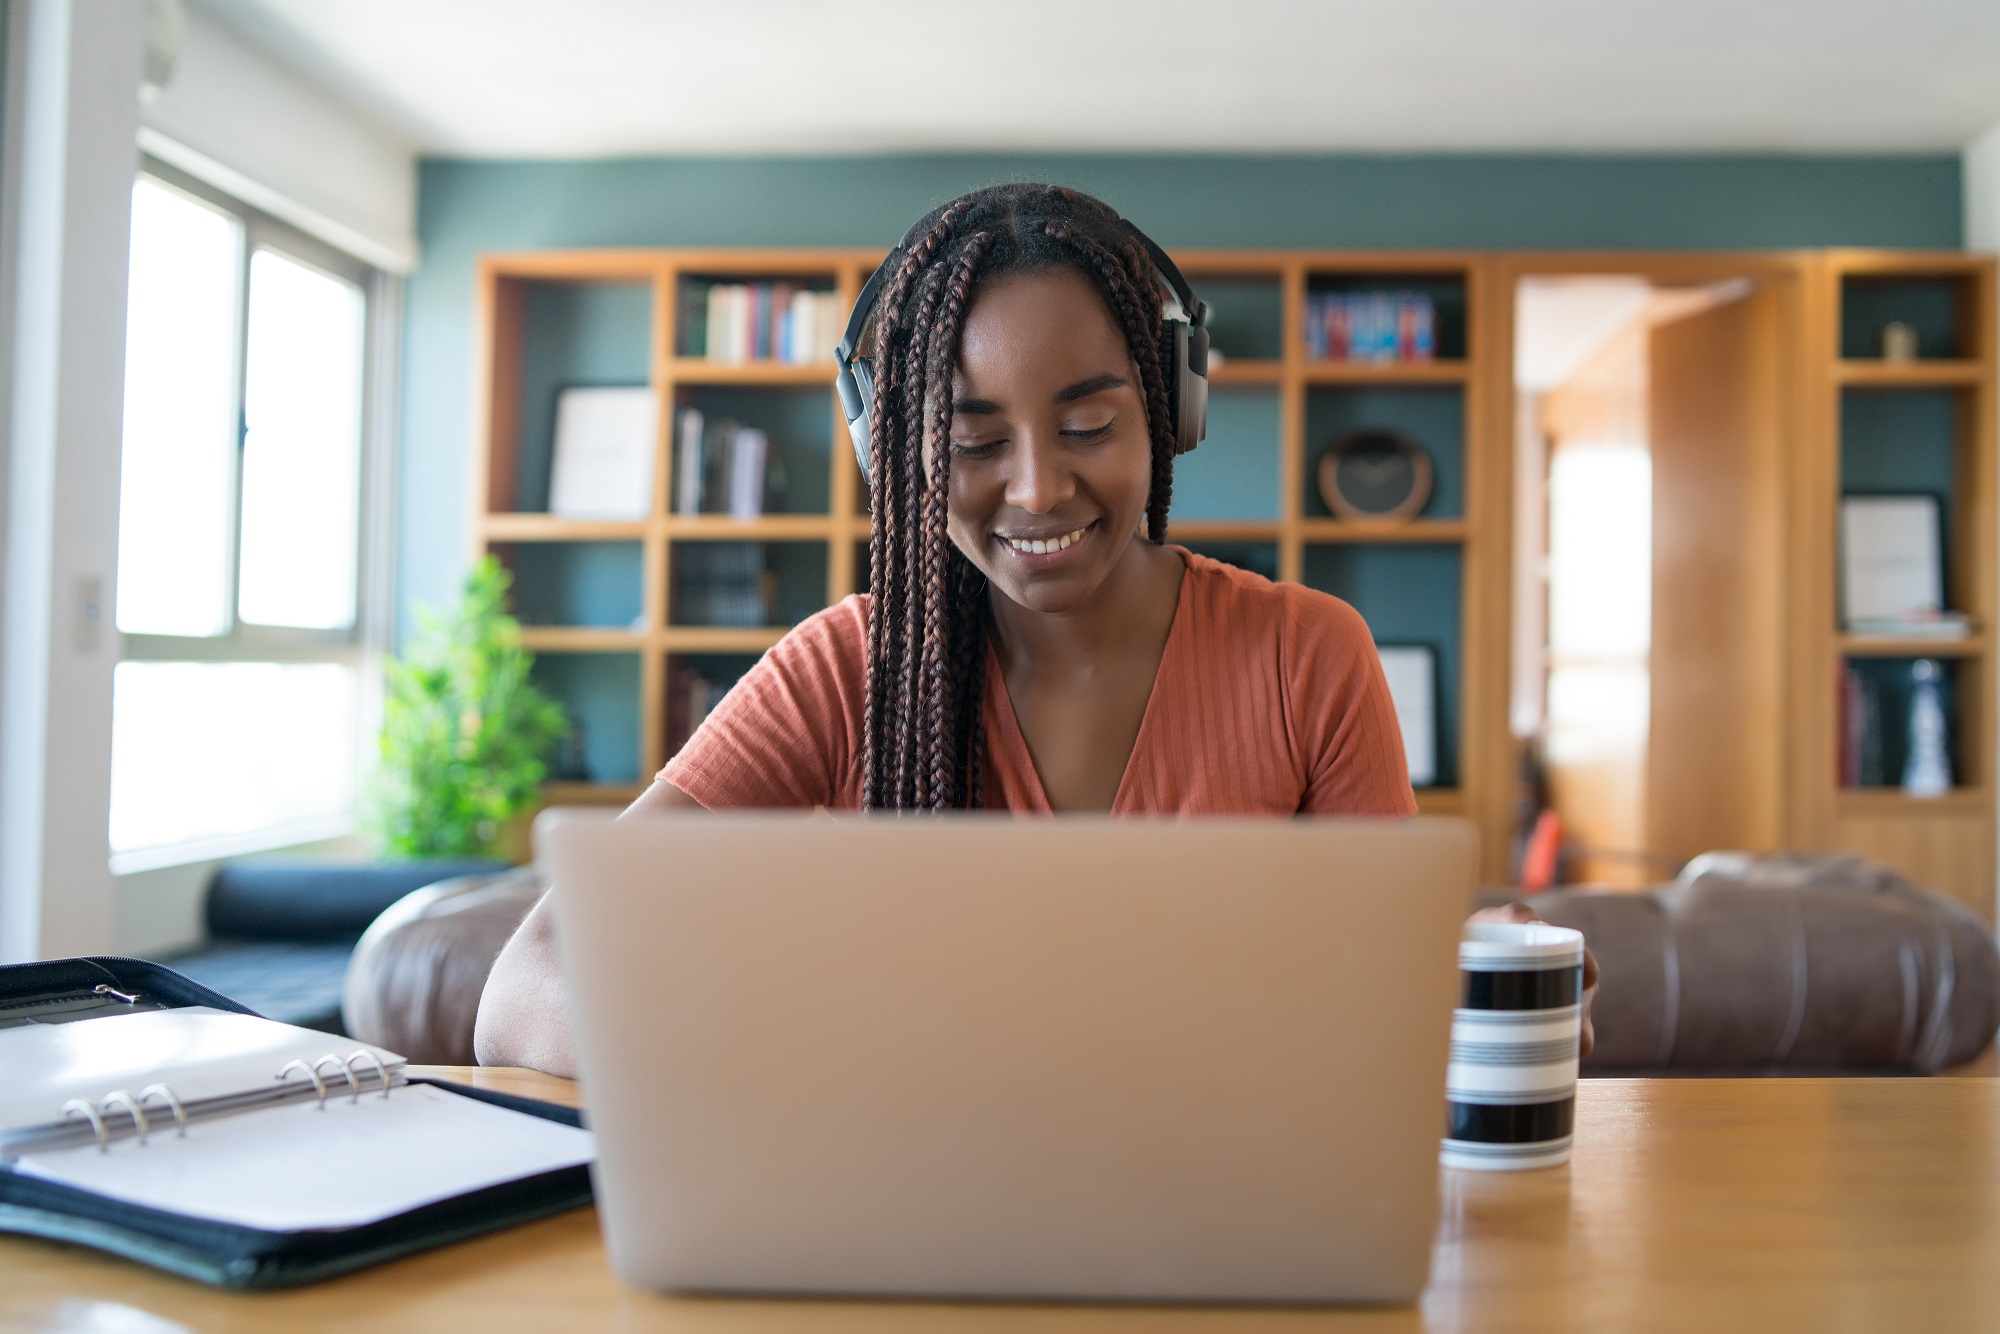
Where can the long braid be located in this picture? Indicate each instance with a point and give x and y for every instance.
(1116, 276)
(929, 617)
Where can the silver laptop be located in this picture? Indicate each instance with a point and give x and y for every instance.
(991, 1057)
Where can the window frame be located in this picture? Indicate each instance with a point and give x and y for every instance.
(358, 647)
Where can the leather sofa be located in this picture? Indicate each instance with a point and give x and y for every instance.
(1784, 964)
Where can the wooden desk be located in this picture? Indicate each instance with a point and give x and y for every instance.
(1691, 1205)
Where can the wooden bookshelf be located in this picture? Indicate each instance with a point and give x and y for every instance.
(1275, 410)
(1926, 425)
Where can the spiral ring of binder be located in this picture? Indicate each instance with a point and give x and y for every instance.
(381, 1071)
(131, 1103)
(173, 1101)
(345, 1073)
(312, 1073)
(84, 1107)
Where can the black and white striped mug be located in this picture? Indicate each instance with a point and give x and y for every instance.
(1511, 1087)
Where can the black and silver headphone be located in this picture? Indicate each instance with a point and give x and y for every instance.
(1183, 356)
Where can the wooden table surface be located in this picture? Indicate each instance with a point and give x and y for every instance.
(1766, 1205)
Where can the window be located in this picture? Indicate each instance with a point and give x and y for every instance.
(236, 710)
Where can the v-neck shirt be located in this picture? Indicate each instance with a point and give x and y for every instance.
(1269, 699)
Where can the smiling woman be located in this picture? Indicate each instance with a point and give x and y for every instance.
(1028, 641)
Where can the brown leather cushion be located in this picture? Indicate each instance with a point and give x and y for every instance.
(414, 982)
(1789, 963)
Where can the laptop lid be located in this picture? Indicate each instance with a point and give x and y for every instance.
(978, 1056)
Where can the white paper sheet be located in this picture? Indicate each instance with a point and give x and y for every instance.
(603, 454)
(299, 1167)
(197, 1051)
(1410, 673)
(1890, 568)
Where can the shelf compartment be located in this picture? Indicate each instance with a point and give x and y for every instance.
(1908, 442)
(571, 334)
(1246, 315)
(1433, 416)
(1888, 685)
(746, 585)
(594, 584)
(695, 684)
(691, 312)
(1446, 290)
(798, 423)
(600, 691)
(1233, 473)
(1937, 306)
(1410, 595)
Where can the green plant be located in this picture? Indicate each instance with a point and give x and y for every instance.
(465, 734)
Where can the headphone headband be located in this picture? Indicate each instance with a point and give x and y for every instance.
(1183, 354)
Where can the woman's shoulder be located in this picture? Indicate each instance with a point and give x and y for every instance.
(1244, 609)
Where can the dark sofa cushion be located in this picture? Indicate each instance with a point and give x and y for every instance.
(273, 899)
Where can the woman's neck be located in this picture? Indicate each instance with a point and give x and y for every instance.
(1131, 611)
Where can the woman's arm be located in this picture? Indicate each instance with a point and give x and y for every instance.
(524, 1012)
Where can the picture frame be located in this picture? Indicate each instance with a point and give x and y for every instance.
(1891, 561)
(602, 464)
(1411, 670)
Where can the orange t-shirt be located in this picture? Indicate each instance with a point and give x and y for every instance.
(1269, 700)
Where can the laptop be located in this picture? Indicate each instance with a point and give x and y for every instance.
(985, 1057)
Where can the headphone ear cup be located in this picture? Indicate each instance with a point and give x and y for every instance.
(856, 387)
(1187, 389)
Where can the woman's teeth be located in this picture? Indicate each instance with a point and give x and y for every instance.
(1040, 546)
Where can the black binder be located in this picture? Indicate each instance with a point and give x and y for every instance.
(223, 1254)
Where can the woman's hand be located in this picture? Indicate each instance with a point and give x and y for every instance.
(1521, 912)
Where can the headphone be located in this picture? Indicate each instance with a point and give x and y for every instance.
(1183, 356)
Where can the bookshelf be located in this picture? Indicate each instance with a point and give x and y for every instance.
(1876, 426)
(604, 604)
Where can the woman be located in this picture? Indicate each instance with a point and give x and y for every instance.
(1022, 646)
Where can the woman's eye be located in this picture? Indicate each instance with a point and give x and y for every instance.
(1088, 432)
(974, 449)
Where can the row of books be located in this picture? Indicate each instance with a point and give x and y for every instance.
(1370, 326)
(722, 583)
(1902, 741)
(725, 467)
(779, 322)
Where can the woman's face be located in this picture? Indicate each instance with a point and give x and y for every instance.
(1051, 461)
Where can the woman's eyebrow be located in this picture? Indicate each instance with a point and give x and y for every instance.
(1096, 384)
(974, 407)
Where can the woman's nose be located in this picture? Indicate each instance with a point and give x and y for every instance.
(1039, 478)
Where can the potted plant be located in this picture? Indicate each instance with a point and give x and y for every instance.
(466, 735)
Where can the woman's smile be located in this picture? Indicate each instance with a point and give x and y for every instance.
(1045, 551)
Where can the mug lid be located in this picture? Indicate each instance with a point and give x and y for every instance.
(1491, 947)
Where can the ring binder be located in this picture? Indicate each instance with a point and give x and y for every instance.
(345, 1073)
(173, 1101)
(381, 1070)
(312, 1073)
(89, 1109)
(131, 1106)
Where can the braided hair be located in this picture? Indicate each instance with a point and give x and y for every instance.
(928, 616)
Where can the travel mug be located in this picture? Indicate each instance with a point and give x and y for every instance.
(1511, 1087)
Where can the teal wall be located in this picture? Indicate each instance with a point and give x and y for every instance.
(1478, 202)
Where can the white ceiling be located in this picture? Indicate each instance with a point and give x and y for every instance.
(585, 78)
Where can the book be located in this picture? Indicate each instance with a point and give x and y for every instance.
(243, 1152)
(749, 450)
(688, 467)
(603, 465)
(1371, 327)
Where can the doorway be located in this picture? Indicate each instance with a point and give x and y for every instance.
(1648, 424)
